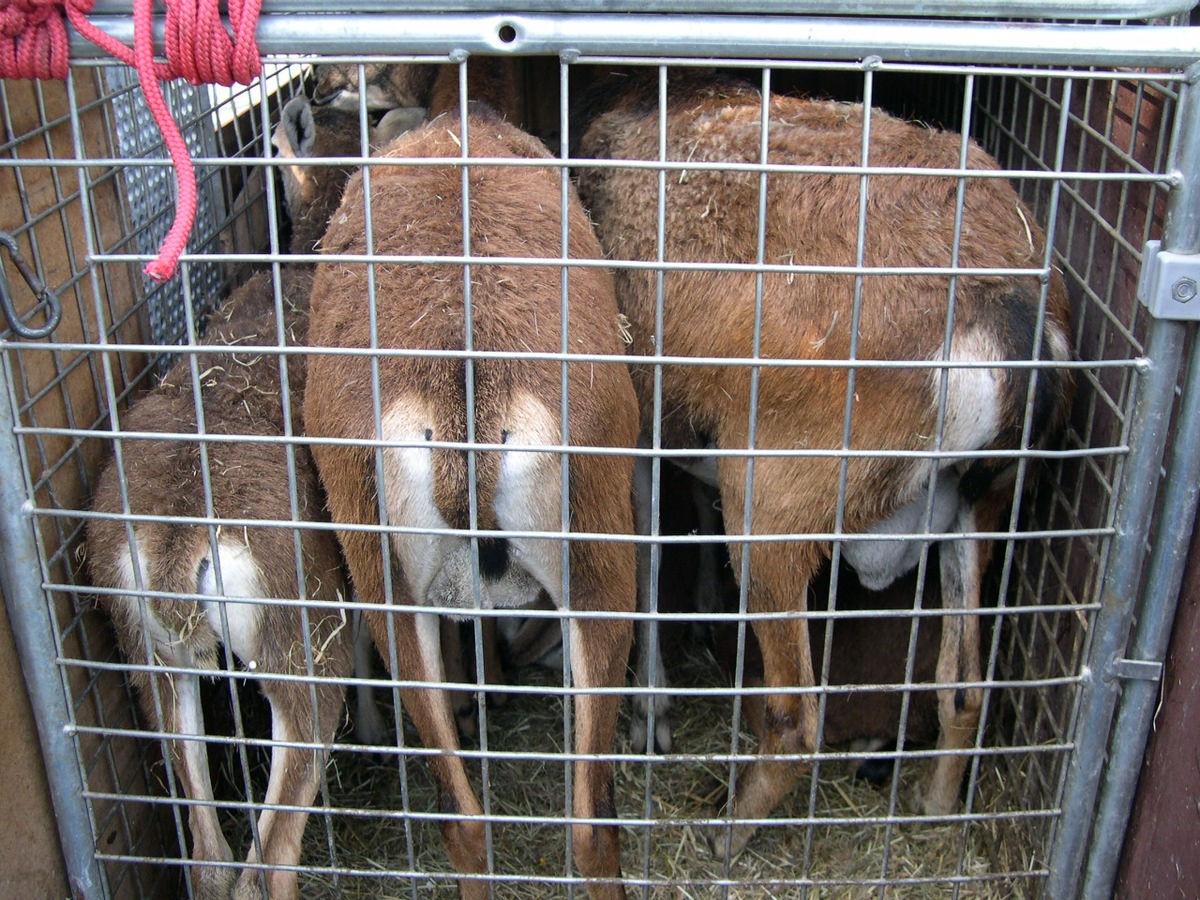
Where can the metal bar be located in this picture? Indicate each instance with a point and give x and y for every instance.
(33, 632)
(1070, 9)
(1168, 558)
(1119, 590)
(741, 37)
(753, 40)
(1118, 594)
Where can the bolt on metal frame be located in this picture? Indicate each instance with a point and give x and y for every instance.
(1046, 152)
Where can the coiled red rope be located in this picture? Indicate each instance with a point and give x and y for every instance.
(34, 44)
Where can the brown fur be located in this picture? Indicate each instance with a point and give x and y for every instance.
(813, 219)
(516, 309)
(241, 394)
(389, 85)
(313, 191)
(490, 80)
(435, 90)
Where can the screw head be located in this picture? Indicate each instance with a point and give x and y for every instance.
(1183, 290)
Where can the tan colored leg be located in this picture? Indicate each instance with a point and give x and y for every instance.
(958, 661)
(599, 648)
(419, 656)
(778, 574)
(180, 696)
(294, 781)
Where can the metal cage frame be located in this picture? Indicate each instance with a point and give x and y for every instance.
(1042, 98)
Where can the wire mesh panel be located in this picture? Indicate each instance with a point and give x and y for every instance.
(829, 407)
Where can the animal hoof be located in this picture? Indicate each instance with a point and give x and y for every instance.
(933, 795)
(725, 839)
(935, 805)
(662, 734)
(728, 841)
(212, 883)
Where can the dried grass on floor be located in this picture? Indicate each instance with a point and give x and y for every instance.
(843, 857)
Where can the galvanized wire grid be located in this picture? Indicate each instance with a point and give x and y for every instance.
(1088, 152)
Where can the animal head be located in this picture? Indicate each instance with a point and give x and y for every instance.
(491, 80)
(386, 86)
(311, 192)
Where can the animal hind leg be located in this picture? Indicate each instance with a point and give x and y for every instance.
(649, 671)
(455, 654)
(294, 782)
(493, 664)
(420, 660)
(961, 563)
(599, 648)
(180, 697)
(778, 583)
(462, 699)
(369, 727)
(708, 569)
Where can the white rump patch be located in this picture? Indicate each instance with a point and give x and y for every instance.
(973, 395)
(529, 493)
(408, 487)
(438, 567)
(240, 577)
(164, 642)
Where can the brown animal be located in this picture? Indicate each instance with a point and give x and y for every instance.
(311, 193)
(241, 394)
(861, 720)
(416, 92)
(305, 134)
(812, 219)
(431, 86)
(893, 552)
(427, 488)
(854, 720)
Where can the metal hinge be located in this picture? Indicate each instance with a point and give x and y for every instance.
(1169, 285)
(1138, 669)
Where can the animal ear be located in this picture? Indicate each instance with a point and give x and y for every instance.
(329, 78)
(298, 126)
(395, 122)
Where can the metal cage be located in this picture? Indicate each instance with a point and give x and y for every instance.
(1094, 124)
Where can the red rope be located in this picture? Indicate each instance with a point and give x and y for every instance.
(203, 51)
(33, 39)
(34, 44)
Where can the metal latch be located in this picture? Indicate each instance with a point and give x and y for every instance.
(1169, 285)
(46, 297)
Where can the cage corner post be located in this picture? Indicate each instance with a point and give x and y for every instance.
(29, 615)
(1086, 824)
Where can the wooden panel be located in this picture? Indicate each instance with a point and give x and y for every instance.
(43, 205)
(30, 862)
(1162, 846)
